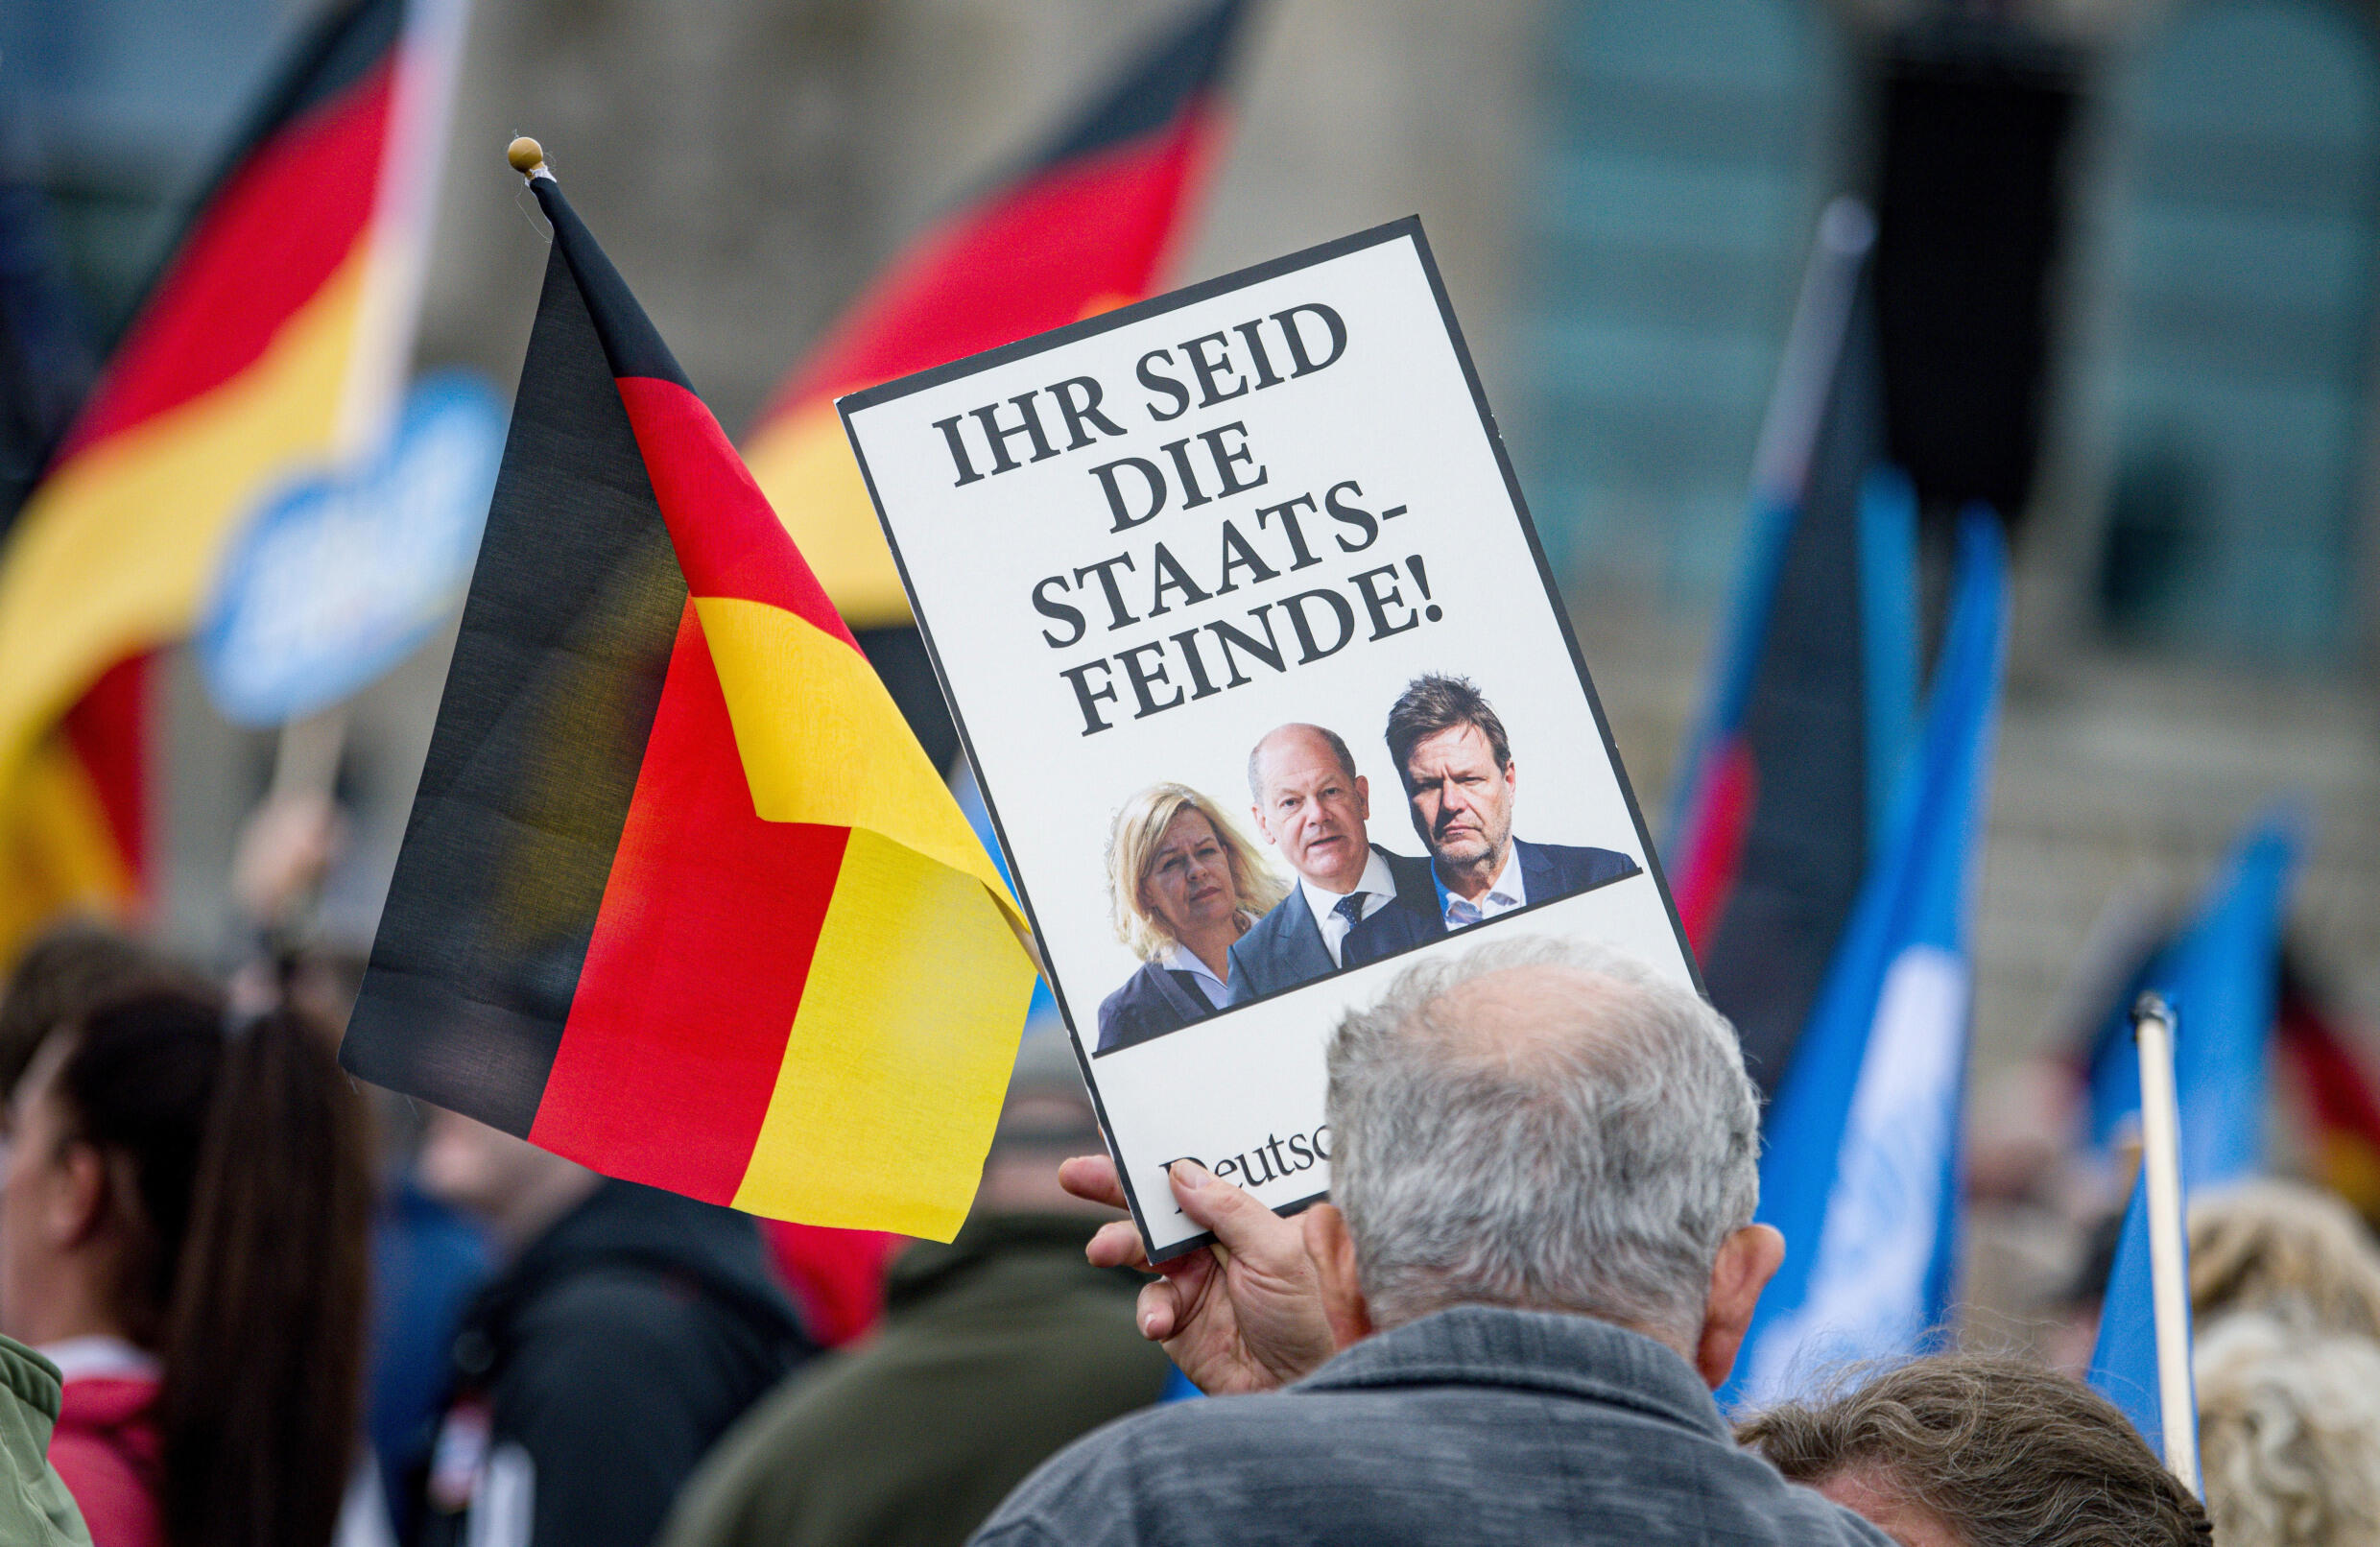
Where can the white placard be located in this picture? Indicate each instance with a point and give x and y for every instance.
(1139, 545)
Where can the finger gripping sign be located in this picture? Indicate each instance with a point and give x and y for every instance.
(1265, 681)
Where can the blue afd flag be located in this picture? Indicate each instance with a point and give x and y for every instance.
(1810, 715)
(2124, 1363)
(1860, 1165)
(345, 572)
(2220, 975)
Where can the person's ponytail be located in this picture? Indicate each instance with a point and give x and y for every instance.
(263, 1335)
(243, 1199)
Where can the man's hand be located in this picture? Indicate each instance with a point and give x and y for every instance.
(1245, 1315)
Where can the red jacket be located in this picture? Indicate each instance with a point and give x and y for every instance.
(107, 1447)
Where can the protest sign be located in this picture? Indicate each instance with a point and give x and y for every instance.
(1173, 564)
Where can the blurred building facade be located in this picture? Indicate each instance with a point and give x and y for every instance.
(2181, 204)
(2127, 268)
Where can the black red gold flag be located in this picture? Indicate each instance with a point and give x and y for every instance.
(681, 897)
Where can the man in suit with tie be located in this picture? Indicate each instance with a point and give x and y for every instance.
(1450, 749)
(1312, 805)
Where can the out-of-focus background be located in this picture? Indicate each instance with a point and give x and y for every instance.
(2124, 279)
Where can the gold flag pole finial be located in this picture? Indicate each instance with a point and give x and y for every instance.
(528, 158)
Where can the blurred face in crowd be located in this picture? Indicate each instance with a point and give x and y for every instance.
(1020, 1174)
(1189, 888)
(516, 1187)
(50, 1192)
(1311, 809)
(1461, 801)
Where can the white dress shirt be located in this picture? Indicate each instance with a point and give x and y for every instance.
(1379, 889)
(1182, 959)
(1504, 895)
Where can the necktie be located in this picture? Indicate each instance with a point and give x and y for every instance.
(1351, 908)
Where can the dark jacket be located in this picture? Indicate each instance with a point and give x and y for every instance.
(1477, 1425)
(1284, 948)
(995, 1350)
(1547, 872)
(1154, 1001)
(602, 1364)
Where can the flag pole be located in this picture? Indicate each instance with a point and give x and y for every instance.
(526, 157)
(2160, 1154)
(1806, 372)
(429, 50)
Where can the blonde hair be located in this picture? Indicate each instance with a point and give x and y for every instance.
(2289, 1425)
(1133, 842)
(2298, 1255)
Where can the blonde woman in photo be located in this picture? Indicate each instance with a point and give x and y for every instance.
(1183, 886)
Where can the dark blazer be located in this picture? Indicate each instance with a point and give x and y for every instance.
(1154, 1001)
(1547, 870)
(1284, 948)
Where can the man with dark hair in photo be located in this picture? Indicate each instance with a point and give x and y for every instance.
(1311, 804)
(1971, 1450)
(1449, 748)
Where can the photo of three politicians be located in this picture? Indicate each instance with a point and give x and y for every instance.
(1216, 926)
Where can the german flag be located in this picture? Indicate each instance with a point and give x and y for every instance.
(242, 363)
(681, 899)
(1087, 225)
(2333, 1073)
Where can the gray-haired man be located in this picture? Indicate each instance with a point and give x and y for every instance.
(1542, 1259)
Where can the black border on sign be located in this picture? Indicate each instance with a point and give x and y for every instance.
(1409, 229)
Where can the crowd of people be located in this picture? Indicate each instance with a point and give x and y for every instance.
(244, 1305)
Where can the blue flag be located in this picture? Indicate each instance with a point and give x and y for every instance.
(1043, 1008)
(342, 572)
(2124, 1363)
(2220, 975)
(1859, 1166)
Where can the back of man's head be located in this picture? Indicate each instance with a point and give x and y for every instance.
(1989, 1451)
(1542, 1123)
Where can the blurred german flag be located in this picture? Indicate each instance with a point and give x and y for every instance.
(2334, 1076)
(1087, 225)
(271, 339)
(1090, 221)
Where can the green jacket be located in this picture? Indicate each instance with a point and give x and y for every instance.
(996, 1350)
(35, 1509)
